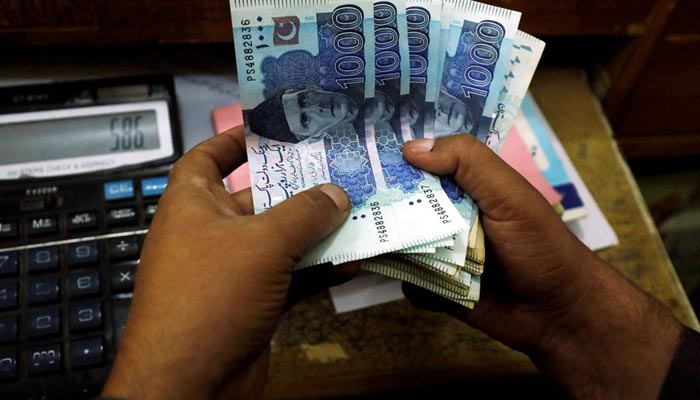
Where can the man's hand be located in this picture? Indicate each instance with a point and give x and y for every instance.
(213, 280)
(583, 324)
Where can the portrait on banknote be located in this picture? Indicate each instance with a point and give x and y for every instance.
(299, 105)
(451, 115)
(299, 112)
(383, 108)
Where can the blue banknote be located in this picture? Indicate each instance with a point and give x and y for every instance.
(306, 70)
(423, 18)
(391, 86)
(479, 40)
(292, 93)
(524, 58)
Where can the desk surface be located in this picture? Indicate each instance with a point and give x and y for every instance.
(317, 353)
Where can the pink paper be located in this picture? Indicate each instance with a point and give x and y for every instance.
(225, 118)
(515, 153)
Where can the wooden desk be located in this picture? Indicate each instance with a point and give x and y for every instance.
(317, 353)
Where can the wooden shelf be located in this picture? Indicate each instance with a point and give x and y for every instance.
(104, 22)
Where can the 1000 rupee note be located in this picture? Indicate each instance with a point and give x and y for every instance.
(423, 18)
(479, 42)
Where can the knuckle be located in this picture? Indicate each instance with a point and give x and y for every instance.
(317, 201)
(176, 170)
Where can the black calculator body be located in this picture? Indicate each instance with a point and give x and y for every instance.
(82, 166)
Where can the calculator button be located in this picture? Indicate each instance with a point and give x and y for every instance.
(8, 364)
(123, 278)
(8, 230)
(44, 359)
(42, 226)
(84, 283)
(121, 216)
(86, 352)
(8, 263)
(8, 295)
(82, 220)
(120, 310)
(43, 322)
(119, 190)
(151, 187)
(85, 316)
(84, 253)
(42, 290)
(149, 210)
(42, 258)
(124, 248)
(8, 329)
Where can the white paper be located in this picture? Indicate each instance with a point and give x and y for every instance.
(366, 290)
(593, 230)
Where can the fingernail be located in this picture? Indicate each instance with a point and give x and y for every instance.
(338, 195)
(420, 146)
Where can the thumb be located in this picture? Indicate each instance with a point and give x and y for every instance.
(304, 220)
(496, 187)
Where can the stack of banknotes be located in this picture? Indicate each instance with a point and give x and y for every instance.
(331, 90)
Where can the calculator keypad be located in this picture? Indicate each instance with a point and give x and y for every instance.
(87, 352)
(8, 263)
(8, 364)
(8, 329)
(8, 294)
(42, 259)
(85, 316)
(84, 283)
(44, 322)
(123, 278)
(124, 248)
(44, 359)
(42, 225)
(119, 190)
(8, 230)
(83, 253)
(80, 221)
(66, 279)
(121, 216)
(43, 290)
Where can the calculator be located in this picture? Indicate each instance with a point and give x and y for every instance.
(82, 166)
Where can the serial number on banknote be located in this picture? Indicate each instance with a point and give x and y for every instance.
(249, 58)
(435, 204)
(379, 222)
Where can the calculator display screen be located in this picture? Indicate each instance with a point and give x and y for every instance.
(77, 140)
(78, 137)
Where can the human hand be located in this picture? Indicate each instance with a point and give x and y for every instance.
(582, 323)
(213, 280)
